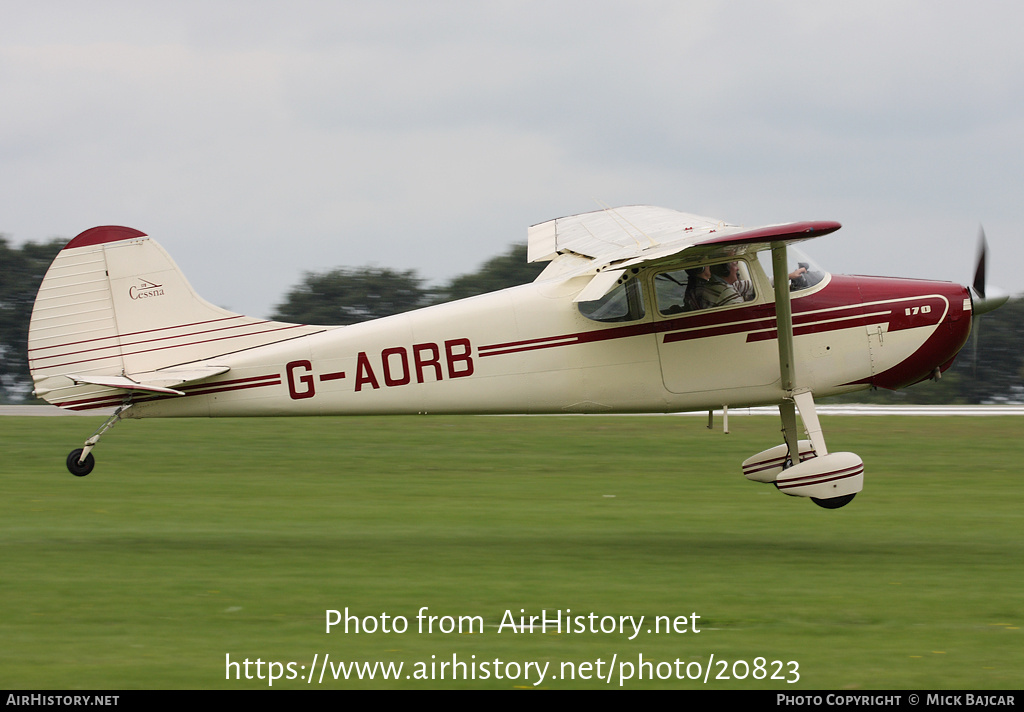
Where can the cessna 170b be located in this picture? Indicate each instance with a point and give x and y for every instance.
(640, 310)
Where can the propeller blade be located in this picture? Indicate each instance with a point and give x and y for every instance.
(979, 270)
(981, 305)
(975, 330)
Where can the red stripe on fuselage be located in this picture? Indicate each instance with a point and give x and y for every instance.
(837, 306)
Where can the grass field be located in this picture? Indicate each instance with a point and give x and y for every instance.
(194, 540)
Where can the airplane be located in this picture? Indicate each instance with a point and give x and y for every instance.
(640, 309)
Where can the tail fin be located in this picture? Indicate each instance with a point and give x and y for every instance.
(114, 314)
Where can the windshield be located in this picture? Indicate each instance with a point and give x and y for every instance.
(803, 271)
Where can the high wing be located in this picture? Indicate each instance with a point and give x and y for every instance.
(605, 243)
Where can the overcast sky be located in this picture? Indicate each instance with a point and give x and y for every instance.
(259, 140)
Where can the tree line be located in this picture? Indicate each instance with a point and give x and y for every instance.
(990, 369)
(349, 295)
(21, 271)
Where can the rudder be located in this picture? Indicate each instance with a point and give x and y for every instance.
(114, 308)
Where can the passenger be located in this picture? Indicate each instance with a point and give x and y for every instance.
(730, 273)
(705, 290)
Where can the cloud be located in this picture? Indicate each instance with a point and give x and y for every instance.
(257, 140)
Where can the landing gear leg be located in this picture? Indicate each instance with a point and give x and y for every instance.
(80, 460)
(808, 413)
(787, 411)
(832, 480)
(805, 468)
(805, 402)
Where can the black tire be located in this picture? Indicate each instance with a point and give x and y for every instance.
(80, 469)
(834, 502)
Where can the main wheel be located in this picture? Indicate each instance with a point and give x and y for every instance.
(834, 502)
(77, 468)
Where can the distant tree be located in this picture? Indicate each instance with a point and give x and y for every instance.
(21, 271)
(507, 270)
(351, 295)
(990, 369)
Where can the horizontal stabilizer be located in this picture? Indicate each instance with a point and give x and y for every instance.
(153, 381)
(121, 382)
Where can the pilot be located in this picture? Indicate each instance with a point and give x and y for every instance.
(705, 290)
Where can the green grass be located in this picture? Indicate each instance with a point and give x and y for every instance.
(197, 539)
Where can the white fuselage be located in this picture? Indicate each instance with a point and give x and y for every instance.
(529, 350)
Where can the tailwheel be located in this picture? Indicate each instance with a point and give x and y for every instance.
(80, 460)
(79, 467)
(834, 502)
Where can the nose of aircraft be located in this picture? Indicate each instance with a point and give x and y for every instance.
(929, 323)
(981, 305)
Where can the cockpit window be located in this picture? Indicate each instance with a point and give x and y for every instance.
(703, 287)
(803, 272)
(624, 303)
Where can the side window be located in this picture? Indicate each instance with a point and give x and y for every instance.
(624, 303)
(670, 291)
(703, 287)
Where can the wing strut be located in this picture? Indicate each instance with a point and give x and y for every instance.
(794, 397)
(801, 468)
(784, 328)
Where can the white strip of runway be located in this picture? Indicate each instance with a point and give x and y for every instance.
(847, 409)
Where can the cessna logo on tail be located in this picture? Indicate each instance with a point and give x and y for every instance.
(145, 290)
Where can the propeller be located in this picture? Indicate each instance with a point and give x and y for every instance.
(979, 269)
(980, 303)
